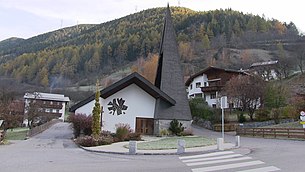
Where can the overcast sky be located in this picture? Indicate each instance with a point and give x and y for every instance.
(28, 18)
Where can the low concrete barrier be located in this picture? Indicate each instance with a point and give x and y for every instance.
(220, 144)
(181, 146)
(132, 147)
(36, 130)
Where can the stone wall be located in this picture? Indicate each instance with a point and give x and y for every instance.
(164, 124)
(203, 123)
(264, 123)
(36, 130)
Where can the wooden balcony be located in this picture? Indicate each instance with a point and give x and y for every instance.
(49, 106)
(212, 88)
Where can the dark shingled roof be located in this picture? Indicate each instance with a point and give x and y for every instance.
(190, 79)
(133, 78)
(169, 76)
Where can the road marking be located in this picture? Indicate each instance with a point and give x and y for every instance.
(218, 161)
(212, 158)
(227, 166)
(207, 155)
(264, 169)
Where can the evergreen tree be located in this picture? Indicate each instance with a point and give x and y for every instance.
(96, 114)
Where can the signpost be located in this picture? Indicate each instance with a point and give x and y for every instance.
(223, 105)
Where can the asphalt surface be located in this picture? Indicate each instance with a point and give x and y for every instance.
(53, 150)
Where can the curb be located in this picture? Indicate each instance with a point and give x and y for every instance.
(147, 153)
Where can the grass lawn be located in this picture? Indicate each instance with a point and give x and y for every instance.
(171, 143)
(16, 134)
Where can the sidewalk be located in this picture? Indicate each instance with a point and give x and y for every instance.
(118, 148)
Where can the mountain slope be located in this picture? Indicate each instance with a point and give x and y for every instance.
(91, 51)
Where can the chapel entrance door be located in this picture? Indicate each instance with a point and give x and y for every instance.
(145, 126)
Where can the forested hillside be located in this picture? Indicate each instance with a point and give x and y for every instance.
(90, 51)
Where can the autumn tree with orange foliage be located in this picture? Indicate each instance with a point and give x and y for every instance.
(147, 68)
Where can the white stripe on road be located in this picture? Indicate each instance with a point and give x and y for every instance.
(227, 166)
(218, 161)
(206, 155)
(264, 169)
(212, 158)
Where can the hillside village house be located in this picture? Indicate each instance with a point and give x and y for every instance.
(147, 108)
(266, 70)
(50, 105)
(208, 84)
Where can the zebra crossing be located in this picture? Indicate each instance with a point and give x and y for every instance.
(225, 161)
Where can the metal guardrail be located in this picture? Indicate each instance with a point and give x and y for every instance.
(36, 130)
(273, 132)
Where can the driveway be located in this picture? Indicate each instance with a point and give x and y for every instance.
(54, 151)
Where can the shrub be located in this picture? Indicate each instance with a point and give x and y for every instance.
(176, 127)
(81, 124)
(262, 115)
(89, 141)
(289, 112)
(241, 118)
(134, 136)
(122, 132)
(200, 108)
(164, 132)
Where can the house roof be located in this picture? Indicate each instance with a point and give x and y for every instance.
(46, 96)
(169, 78)
(206, 70)
(133, 78)
(264, 63)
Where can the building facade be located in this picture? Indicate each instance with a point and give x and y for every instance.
(46, 104)
(208, 84)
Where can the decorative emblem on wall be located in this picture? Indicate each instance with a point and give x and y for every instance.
(117, 105)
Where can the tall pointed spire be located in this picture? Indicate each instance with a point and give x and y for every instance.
(169, 78)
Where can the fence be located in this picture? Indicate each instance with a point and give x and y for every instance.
(273, 132)
(227, 127)
(36, 130)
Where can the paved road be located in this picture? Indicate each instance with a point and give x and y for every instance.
(288, 155)
(53, 151)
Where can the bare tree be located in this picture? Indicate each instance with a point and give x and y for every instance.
(246, 91)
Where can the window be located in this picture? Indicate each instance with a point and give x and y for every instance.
(214, 105)
(205, 84)
(213, 95)
(198, 84)
(47, 110)
(191, 86)
(57, 110)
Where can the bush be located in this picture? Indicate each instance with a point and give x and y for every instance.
(122, 132)
(289, 112)
(176, 127)
(241, 118)
(81, 124)
(134, 136)
(89, 141)
(164, 132)
(200, 108)
(262, 115)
